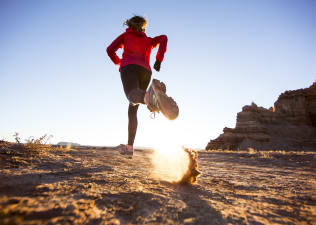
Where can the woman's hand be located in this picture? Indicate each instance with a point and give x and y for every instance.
(157, 65)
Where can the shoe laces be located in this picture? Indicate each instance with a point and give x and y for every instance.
(153, 115)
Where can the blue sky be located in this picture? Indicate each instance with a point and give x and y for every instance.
(56, 77)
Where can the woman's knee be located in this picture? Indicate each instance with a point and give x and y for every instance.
(132, 109)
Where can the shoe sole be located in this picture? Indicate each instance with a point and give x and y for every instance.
(167, 105)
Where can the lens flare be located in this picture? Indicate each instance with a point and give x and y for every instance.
(174, 164)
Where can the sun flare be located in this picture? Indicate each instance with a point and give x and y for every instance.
(170, 163)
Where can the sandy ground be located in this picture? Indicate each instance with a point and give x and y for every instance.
(101, 187)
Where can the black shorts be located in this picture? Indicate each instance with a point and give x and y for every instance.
(135, 80)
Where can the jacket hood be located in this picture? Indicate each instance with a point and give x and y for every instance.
(135, 32)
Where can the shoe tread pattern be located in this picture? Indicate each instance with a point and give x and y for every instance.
(167, 105)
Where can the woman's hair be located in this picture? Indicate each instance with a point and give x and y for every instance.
(136, 23)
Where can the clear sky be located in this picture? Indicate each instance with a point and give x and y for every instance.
(56, 78)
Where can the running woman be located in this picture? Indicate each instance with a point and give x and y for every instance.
(136, 71)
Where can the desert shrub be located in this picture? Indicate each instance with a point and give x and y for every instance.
(33, 146)
(17, 138)
(38, 146)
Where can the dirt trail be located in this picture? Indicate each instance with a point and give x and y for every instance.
(101, 187)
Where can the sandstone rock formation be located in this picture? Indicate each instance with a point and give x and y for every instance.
(289, 125)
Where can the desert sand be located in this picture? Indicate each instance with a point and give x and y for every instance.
(84, 186)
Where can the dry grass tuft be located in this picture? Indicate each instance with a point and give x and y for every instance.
(37, 146)
(19, 153)
(32, 151)
(33, 147)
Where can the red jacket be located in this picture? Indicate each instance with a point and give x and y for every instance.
(137, 48)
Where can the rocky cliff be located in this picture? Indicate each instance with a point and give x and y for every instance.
(289, 125)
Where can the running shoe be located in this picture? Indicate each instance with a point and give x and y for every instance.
(158, 101)
(126, 150)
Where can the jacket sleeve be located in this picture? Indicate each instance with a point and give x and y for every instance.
(162, 42)
(113, 47)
